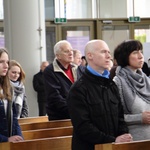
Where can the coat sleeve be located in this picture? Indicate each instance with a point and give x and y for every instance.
(16, 127)
(25, 109)
(3, 138)
(56, 93)
(38, 84)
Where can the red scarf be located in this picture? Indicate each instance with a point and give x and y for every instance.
(68, 72)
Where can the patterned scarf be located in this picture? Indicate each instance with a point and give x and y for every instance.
(132, 84)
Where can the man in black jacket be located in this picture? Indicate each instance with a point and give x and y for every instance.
(39, 87)
(94, 103)
(59, 77)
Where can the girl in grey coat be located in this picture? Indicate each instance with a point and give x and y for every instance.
(17, 77)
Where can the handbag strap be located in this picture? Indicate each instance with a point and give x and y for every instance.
(9, 118)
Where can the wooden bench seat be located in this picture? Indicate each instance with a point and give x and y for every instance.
(33, 119)
(46, 133)
(47, 124)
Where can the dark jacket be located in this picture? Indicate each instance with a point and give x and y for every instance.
(39, 87)
(146, 69)
(96, 112)
(4, 131)
(57, 87)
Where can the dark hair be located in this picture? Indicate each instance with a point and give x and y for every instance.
(123, 50)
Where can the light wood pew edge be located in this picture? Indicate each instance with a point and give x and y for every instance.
(136, 145)
(33, 119)
(53, 143)
(47, 124)
(46, 133)
(64, 143)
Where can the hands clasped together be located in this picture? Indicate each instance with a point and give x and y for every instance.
(124, 138)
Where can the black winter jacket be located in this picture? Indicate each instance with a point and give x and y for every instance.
(57, 87)
(39, 87)
(96, 112)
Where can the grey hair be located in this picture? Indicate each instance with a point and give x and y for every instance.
(58, 46)
(76, 51)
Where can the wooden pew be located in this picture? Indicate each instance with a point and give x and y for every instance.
(53, 143)
(64, 143)
(136, 145)
(47, 133)
(47, 124)
(33, 119)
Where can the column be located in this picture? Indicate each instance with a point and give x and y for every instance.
(24, 29)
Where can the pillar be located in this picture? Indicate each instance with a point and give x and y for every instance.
(24, 29)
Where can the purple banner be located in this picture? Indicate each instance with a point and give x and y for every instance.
(2, 42)
(78, 42)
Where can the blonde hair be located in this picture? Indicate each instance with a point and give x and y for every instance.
(22, 73)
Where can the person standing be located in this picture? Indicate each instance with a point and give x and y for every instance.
(77, 57)
(16, 75)
(10, 130)
(134, 88)
(59, 76)
(39, 87)
(94, 104)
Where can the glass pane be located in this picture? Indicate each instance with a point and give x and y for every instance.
(49, 9)
(79, 9)
(113, 35)
(113, 9)
(77, 36)
(2, 39)
(1, 10)
(50, 42)
(142, 5)
(142, 33)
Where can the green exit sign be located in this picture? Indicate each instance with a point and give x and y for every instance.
(60, 20)
(134, 19)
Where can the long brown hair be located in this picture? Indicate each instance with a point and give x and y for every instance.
(5, 87)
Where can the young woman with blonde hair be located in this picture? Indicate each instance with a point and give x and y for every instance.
(17, 77)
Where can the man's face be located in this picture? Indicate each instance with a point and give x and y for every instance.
(100, 56)
(66, 54)
(77, 59)
(44, 65)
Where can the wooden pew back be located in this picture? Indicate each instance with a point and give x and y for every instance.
(46, 133)
(33, 119)
(136, 145)
(64, 143)
(47, 124)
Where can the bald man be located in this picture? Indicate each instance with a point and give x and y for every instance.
(94, 104)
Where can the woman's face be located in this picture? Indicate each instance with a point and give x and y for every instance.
(136, 59)
(4, 64)
(14, 73)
